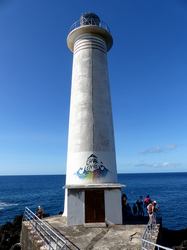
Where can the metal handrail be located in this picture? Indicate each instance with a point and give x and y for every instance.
(159, 247)
(91, 21)
(49, 236)
(147, 243)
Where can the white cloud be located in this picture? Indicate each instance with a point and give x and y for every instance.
(171, 146)
(157, 164)
(159, 149)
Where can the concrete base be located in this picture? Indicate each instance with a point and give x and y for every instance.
(96, 238)
(76, 208)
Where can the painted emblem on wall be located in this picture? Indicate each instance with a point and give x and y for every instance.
(93, 169)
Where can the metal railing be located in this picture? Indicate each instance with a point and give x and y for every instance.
(50, 238)
(91, 21)
(150, 235)
(154, 246)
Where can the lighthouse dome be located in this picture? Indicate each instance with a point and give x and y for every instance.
(89, 18)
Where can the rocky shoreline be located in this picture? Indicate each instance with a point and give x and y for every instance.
(176, 239)
(10, 235)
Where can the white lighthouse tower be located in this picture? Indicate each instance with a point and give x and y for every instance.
(92, 192)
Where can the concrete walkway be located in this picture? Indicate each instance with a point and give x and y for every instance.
(99, 237)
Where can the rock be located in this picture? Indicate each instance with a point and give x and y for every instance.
(10, 234)
(176, 239)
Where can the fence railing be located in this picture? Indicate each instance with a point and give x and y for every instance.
(149, 237)
(151, 245)
(92, 22)
(50, 238)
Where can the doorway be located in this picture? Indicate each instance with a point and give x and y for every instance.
(94, 206)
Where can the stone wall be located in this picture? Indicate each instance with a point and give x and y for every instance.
(30, 240)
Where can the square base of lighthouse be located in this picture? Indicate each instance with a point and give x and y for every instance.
(97, 203)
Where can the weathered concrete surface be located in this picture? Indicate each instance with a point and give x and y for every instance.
(96, 238)
(30, 240)
(90, 121)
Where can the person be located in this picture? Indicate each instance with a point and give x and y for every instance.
(129, 210)
(124, 200)
(151, 213)
(155, 206)
(134, 208)
(139, 204)
(39, 212)
(147, 200)
(124, 206)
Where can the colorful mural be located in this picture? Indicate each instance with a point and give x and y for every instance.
(93, 169)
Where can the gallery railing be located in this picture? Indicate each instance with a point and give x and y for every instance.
(92, 22)
(51, 239)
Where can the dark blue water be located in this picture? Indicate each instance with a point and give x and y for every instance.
(168, 189)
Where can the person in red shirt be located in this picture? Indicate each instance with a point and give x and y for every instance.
(147, 200)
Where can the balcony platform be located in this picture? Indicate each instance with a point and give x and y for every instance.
(98, 236)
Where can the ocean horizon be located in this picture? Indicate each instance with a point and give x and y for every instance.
(52, 174)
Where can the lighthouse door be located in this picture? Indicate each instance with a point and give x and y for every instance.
(94, 206)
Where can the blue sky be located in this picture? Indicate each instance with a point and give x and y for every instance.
(148, 78)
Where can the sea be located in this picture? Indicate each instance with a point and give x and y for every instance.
(168, 189)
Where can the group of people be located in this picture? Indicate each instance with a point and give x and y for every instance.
(139, 207)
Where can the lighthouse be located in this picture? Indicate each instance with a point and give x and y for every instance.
(92, 192)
